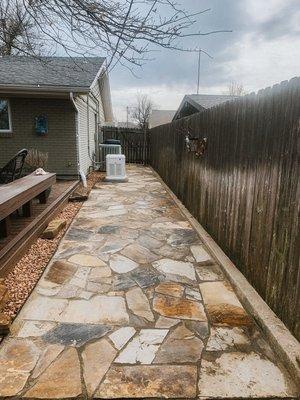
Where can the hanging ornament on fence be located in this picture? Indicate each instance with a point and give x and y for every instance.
(196, 145)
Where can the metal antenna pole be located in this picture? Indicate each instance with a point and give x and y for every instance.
(199, 63)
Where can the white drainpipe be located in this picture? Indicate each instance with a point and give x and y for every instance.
(77, 131)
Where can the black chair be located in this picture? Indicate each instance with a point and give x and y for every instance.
(13, 169)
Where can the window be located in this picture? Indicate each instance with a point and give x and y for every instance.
(5, 120)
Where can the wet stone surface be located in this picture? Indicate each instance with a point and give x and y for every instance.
(134, 306)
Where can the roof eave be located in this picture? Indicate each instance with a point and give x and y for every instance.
(7, 88)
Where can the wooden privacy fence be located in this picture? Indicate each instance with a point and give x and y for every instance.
(134, 142)
(245, 189)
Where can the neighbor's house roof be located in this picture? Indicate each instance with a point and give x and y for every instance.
(160, 117)
(51, 73)
(193, 103)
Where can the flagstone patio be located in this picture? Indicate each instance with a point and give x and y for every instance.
(133, 306)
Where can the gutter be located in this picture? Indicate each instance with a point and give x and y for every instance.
(77, 131)
(46, 88)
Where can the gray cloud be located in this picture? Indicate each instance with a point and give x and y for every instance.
(175, 70)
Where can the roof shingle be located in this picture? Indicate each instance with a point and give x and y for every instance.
(49, 71)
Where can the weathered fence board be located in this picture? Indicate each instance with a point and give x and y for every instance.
(134, 142)
(245, 188)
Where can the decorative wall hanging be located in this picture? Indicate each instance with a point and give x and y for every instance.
(196, 145)
(41, 125)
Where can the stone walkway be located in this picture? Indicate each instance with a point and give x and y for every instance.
(133, 306)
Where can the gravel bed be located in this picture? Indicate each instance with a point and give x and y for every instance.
(26, 273)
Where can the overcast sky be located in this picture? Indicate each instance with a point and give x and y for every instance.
(263, 49)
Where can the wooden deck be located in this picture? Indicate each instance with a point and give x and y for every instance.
(24, 230)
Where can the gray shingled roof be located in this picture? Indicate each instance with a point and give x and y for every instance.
(51, 71)
(209, 100)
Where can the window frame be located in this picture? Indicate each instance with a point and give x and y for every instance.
(9, 130)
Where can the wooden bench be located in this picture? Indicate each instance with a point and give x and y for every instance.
(20, 193)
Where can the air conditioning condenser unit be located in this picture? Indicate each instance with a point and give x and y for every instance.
(115, 168)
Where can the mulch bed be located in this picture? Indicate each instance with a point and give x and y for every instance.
(26, 273)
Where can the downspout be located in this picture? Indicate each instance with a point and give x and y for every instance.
(94, 162)
(77, 131)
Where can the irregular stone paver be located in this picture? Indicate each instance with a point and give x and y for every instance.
(75, 334)
(223, 305)
(48, 355)
(121, 336)
(200, 254)
(60, 272)
(168, 381)
(86, 260)
(242, 375)
(61, 379)
(134, 306)
(209, 273)
(179, 308)
(138, 303)
(122, 264)
(97, 358)
(99, 310)
(17, 359)
(222, 338)
(170, 288)
(179, 268)
(143, 347)
(180, 347)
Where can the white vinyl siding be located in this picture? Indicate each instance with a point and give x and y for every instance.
(86, 131)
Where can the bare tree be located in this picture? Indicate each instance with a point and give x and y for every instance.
(142, 111)
(236, 89)
(17, 34)
(124, 31)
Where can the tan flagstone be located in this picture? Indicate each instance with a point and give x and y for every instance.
(97, 310)
(173, 267)
(168, 381)
(98, 273)
(222, 305)
(181, 346)
(139, 254)
(121, 336)
(86, 260)
(138, 303)
(209, 273)
(60, 272)
(48, 355)
(170, 288)
(121, 264)
(60, 380)
(143, 347)
(42, 308)
(97, 358)
(17, 359)
(200, 254)
(164, 322)
(223, 338)
(243, 375)
(179, 308)
(34, 328)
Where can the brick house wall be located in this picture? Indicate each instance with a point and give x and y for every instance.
(59, 143)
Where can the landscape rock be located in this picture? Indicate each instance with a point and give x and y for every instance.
(53, 228)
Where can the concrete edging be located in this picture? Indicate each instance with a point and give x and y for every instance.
(284, 343)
